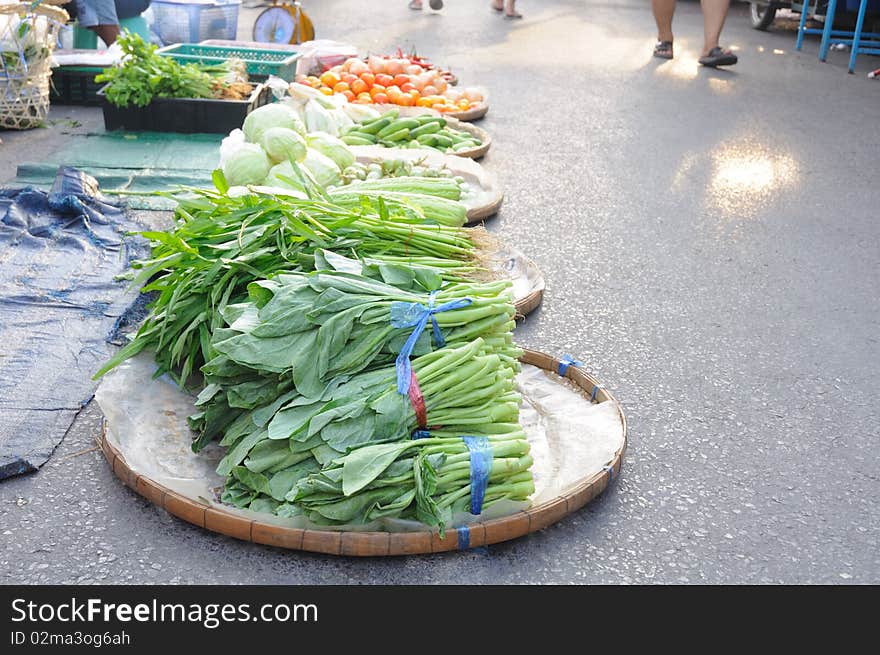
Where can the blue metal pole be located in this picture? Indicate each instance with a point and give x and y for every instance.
(826, 33)
(857, 36)
(800, 37)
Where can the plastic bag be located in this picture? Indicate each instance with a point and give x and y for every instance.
(321, 54)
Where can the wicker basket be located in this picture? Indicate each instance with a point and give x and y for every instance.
(28, 34)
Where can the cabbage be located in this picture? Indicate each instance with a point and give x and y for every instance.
(273, 115)
(360, 113)
(283, 170)
(249, 164)
(282, 144)
(332, 147)
(323, 169)
(319, 119)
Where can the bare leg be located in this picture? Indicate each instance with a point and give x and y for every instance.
(108, 33)
(714, 13)
(510, 9)
(663, 12)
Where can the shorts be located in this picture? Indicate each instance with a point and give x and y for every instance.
(96, 12)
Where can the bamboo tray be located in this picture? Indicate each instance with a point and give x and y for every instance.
(217, 519)
(471, 114)
(486, 202)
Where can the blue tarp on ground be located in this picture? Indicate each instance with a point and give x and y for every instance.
(60, 253)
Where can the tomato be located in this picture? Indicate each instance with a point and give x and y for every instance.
(348, 95)
(429, 90)
(415, 95)
(330, 79)
(340, 87)
(369, 78)
(409, 86)
(358, 86)
(380, 99)
(377, 88)
(384, 80)
(424, 102)
(348, 78)
(464, 103)
(393, 92)
(400, 80)
(364, 97)
(405, 100)
(326, 90)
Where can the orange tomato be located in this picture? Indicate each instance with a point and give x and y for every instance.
(377, 88)
(429, 90)
(405, 100)
(407, 87)
(330, 79)
(384, 80)
(400, 80)
(369, 78)
(349, 95)
(393, 92)
(424, 102)
(340, 87)
(416, 96)
(348, 78)
(359, 86)
(380, 99)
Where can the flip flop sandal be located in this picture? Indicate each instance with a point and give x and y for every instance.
(436, 4)
(718, 57)
(663, 50)
(513, 15)
(498, 9)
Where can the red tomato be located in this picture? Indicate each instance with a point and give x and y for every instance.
(348, 95)
(369, 78)
(348, 78)
(400, 80)
(380, 99)
(409, 86)
(384, 80)
(358, 86)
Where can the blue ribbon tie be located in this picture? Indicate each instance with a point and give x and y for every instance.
(416, 315)
(565, 362)
(421, 434)
(464, 537)
(595, 391)
(481, 467)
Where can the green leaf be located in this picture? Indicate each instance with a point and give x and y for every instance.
(363, 465)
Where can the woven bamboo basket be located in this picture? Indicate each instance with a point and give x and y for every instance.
(483, 135)
(25, 73)
(471, 114)
(363, 544)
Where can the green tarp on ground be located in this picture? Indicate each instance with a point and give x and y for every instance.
(133, 162)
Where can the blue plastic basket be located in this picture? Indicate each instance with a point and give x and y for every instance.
(181, 21)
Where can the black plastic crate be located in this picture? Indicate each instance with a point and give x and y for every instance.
(186, 115)
(74, 85)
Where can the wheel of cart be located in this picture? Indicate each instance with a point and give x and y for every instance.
(764, 11)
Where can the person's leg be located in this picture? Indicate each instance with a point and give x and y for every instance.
(108, 33)
(663, 12)
(714, 13)
(510, 9)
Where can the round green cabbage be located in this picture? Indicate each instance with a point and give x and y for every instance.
(248, 164)
(282, 144)
(273, 115)
(332, 147)
(282, 175)
(323, 169)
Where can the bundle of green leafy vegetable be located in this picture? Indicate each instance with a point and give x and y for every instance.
(221, 244)
(143, 75)
(428, 480)
(302, 336)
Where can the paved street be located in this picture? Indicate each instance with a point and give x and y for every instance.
(710, 243)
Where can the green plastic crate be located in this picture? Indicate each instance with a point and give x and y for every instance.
(260, 62)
